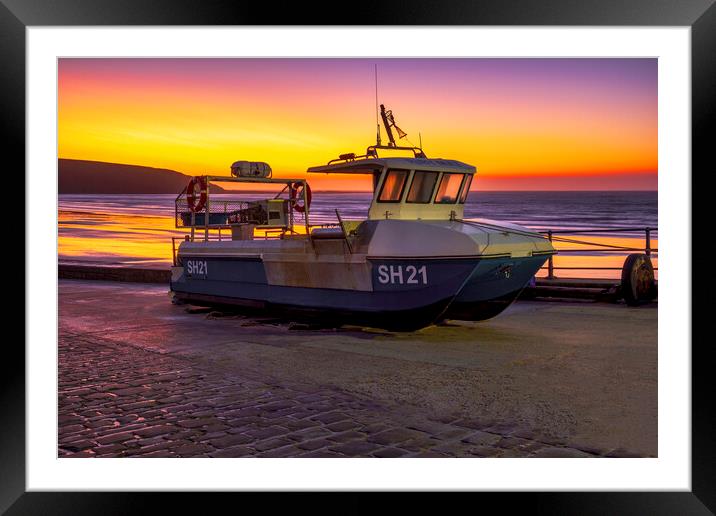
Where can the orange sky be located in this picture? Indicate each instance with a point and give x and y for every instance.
(541, 124)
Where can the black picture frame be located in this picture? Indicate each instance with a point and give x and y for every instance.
(700, 15)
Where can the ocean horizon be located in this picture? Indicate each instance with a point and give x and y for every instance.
(136, 230)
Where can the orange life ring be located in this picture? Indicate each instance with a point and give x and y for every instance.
(294, 195)
(196, 200)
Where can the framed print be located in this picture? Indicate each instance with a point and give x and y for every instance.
(221, 282)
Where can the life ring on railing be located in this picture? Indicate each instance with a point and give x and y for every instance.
(196, 193)
(296, 193)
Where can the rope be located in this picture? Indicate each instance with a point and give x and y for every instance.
(573, 241)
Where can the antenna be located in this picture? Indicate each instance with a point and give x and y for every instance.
(420, 140)
(377, 123)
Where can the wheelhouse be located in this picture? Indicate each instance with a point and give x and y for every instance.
(410, 188)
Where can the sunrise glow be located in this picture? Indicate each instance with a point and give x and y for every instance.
(526, 124)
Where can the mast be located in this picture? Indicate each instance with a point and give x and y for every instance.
(377, 123)
(388, 122)
(391, 140)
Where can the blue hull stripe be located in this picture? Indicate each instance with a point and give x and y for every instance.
(408, 285)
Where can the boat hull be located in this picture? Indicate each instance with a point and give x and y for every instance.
(492, 286)
(391, 293)
(397, 320)
(400, 294)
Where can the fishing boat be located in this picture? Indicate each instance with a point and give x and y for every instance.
(413, 261)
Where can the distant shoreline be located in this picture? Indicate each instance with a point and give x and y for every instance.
(86, 177)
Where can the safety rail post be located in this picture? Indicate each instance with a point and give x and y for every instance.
(193, 224)
(290, 205)
(207, 211)
(647, 248)
(307, 208)
(550, 263)
(174, 253)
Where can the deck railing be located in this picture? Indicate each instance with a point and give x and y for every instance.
(596, 247)
(218, 236)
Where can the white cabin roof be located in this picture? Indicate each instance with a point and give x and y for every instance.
(368, 166)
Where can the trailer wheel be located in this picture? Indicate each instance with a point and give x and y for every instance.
(638, 285)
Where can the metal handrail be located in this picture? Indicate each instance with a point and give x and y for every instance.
(604, 230)
(604, 248)
(216, 238)
(207, 210)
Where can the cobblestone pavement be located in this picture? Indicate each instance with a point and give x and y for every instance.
(139, 376)
(117, 400)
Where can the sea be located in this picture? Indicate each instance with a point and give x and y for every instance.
(136, 230)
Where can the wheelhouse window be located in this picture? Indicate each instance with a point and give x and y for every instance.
(422, 187)
(465, 188)
(448, 188)
(393, 186)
